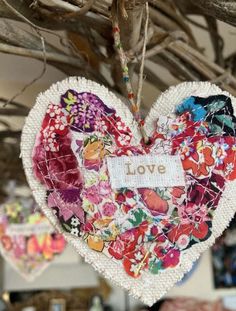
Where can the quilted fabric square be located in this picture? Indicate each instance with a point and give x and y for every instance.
(141, 214)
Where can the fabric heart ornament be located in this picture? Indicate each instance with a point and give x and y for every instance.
(141, 214)
(27, 240)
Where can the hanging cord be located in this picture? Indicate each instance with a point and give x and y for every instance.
(134, 103)
(140, 81)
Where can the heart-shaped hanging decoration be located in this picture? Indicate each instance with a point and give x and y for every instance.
(28, 241)
(141, 214)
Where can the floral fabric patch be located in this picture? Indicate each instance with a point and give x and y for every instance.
(27, 240)
(140, 228)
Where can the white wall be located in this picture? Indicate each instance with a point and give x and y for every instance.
(66, 271)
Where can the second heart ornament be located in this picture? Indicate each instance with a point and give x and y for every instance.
(140, 214)
(28, 242)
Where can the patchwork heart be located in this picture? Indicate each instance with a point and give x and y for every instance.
(141, 214)
(27, 240)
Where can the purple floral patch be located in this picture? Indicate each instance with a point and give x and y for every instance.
(86, 109)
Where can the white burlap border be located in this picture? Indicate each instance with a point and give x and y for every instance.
(148, 287)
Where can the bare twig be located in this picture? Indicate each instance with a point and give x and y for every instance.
(23, 18)
(9, 133)
(56, 57)
(176, 66)
(35, 79)
(22, 12)
(13, 112)
(220, 9)
(171, 12)
(82, 10)
(159, 48)
(216, 40)
(214, 67)
(191, 59)
(5, 124)
(223, 10)
(170, 41)
(64, 5)
(14, 104)
(53, 58)
(131, 54)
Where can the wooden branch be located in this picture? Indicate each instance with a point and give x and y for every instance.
(223, 10)
(175, 66)
(216, 40)
(19, 37)
(5, 124)
(158, 48)
(189, 58)
(55, 4)
(9, 133)
(194, 58)
(86, 7)
(219, 71)
(133, 4)
(130, 27)
(14, 104)
(171, 11)
(13, 112)
(74, 10)
(13, 35)
(163, 44)
(170, 41)
(230, 62)
(54, 57)
(46, 23)
(162, 20)
(131, 54)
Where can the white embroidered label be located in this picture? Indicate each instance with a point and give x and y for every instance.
(146, 171)
(29, 229)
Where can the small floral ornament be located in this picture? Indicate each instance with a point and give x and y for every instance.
(144, 238)
(27, 240)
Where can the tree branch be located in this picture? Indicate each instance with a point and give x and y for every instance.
(13, 112)
(223, 10)
(14, 104)
(54, 57)
(9, 133)
(45, 23)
